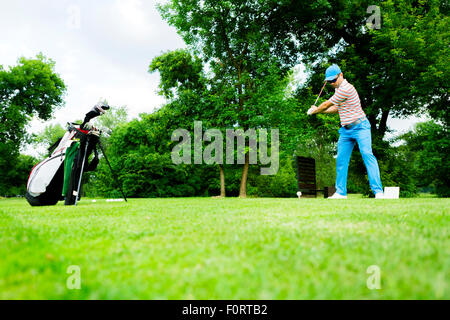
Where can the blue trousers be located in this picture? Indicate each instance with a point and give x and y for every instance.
(347, 138)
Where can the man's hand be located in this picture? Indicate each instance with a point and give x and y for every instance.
(312, 110)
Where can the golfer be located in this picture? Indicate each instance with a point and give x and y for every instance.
(355, 128)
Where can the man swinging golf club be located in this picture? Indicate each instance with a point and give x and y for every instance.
(355, 128)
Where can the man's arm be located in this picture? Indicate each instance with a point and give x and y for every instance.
(332, 109)
(323, 106)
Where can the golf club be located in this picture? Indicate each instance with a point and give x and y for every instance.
(309, 110)
(320, 93)
(112, 171)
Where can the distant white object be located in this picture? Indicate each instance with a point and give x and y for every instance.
(114, 200)
(299, 194)
(94, 200)
(391, 192)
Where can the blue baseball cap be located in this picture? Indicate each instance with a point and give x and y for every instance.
(332, 72)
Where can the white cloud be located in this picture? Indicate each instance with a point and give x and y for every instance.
(400, 126)
(132, 20)
(102, 49)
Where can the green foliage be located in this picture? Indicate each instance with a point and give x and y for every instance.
(47, 137)
(113, 118)
(398, 70)
(428, 147)
(419, 162)
(14, 178)
(283, 184)
(177, 69)
(31, 88)
(248, 81)
(396, 170)
(139, 152)
(210, 99)
(412, 50)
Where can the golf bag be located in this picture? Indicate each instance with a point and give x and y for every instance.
(59, 176)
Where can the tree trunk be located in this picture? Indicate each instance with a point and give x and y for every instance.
(373, 122)
(243, 189)
(382, 126)
(222, 181)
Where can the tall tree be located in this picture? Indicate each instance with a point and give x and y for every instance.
(31, 88)
(185, 85)
(234, 39)
(399, 69)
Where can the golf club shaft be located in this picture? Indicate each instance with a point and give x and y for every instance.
(320, 92)
(112, 171)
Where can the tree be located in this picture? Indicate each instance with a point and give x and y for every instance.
(113, 118)
(234, 39)
(179, 72)
(31, 88)
(47, 137)
(398, 70)
(14, 179)
(140, 154)
(184, 84)
(428, 146)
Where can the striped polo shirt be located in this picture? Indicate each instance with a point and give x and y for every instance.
(347, 100)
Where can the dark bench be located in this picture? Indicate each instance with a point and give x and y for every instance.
(306, 178)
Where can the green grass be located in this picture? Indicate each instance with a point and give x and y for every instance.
(204, 248)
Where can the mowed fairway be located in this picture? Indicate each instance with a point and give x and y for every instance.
(204, 248)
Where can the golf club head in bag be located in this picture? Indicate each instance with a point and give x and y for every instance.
(97, 110)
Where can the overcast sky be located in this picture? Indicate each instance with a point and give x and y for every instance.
(102, 49)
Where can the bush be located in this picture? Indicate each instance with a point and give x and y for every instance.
(13, 181)
(283, 184)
